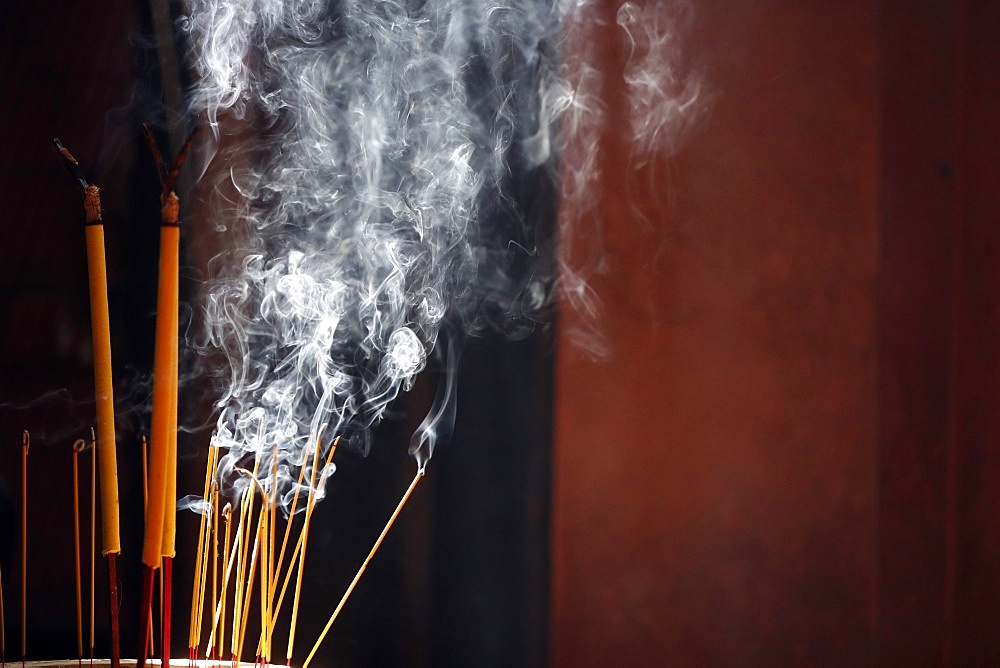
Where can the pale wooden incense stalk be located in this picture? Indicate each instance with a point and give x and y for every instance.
(215, 644)
(209, 532)
(78, 445)
(3, 626)
(298, 544)
(93, 534)
(288, 527)
(238, 588)
(249, 590)
(302, 552)
(267, 587)
(260, 539)
(241, 575)
(262, 642)
(354, 582)
(198, 573)
(145, 503)
(215, 558)
(25, 445)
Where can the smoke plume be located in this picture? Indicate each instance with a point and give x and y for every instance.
(388, 135)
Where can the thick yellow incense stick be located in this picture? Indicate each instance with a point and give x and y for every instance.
(354, 582)
(165, 364)
(78, 445)
(103, 387)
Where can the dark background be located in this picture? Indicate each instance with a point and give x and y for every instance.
(462, 578)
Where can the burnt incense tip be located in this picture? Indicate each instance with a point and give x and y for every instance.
(26, 441)
(71, 162)
(79, 444)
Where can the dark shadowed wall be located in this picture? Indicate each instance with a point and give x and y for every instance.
(789, 457)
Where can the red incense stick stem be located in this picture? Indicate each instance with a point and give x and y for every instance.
(114, 605)
(146, 602)
(168, 572)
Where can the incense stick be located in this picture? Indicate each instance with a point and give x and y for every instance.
(302, 551)
(78, 445)
(145, 504)
(25, 445)
(198, 574)
(298, 544)
(161, 510)
(93, 533)
(103, 384)
(214, 644)
(3, 625)
(354, 582)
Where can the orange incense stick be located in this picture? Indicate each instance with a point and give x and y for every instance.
(298, 544)
(354, 582)
(198, 573)
(78, 445)
(305, 543)
(145, 504)
(215, 642)
(93, 532)
(25, 445)
(3, 625)
(252, 572)
(161, 510)
(103, 385)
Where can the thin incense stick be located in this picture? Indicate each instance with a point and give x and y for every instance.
(215, 645)
(261, 521)
(288, 526)
(201, 546)
(25, 445)
(93, 534)
(268, 585)
(354, 582)
(249, 590)
(210, 527)
(215, 562)
(298, 544)
(302, 551)
(78, 445)
(3, 625)
(145, 504)
(246, 514)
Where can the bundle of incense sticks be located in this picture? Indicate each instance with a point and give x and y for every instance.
(248, 528)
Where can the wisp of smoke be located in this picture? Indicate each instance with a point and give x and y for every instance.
(381, 208)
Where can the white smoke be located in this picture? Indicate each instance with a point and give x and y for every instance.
(392, 133)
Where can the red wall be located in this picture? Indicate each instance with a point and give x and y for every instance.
(787, 456)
